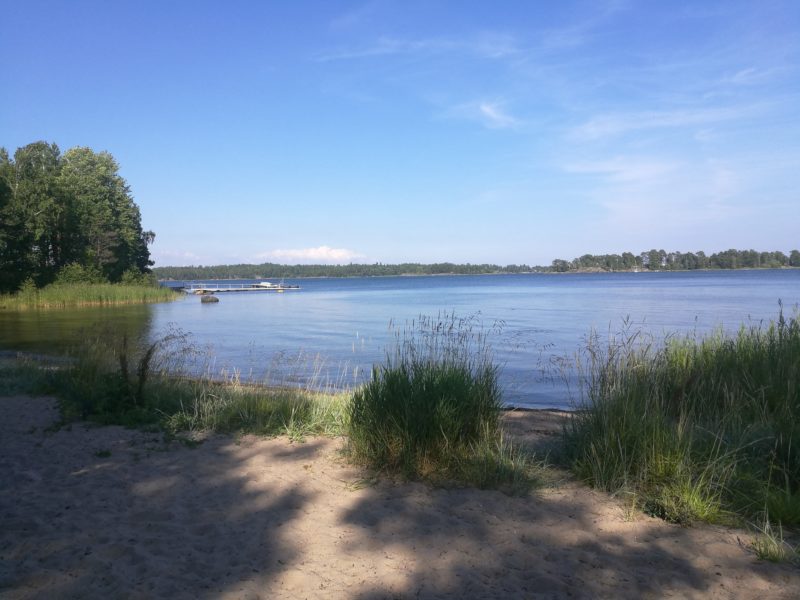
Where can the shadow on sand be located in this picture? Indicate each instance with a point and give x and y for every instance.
(114, 513)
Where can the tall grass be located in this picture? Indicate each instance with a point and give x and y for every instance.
(84, 294)
(432, 409)
(116, 380)
(704, 429)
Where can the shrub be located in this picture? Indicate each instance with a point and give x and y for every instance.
(76, 273)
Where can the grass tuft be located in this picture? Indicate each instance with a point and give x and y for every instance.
(432, 410)
(768, 544)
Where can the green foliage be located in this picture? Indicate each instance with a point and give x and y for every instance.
(75, 273)
(698, 430)
(432, 410)
(134, 277)
(61, 210)
(28, 292)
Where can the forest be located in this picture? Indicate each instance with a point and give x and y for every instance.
(659, 260)
(654, 260)
(67, 217)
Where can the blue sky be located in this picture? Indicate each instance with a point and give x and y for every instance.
(504, 132)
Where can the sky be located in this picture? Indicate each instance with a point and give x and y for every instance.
(423, 131)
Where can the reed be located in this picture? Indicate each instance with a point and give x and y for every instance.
(697, 429)
(62, 295)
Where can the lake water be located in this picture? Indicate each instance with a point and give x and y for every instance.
(334, 330)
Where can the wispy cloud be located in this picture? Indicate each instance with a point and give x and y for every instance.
(603, 126)
(626, 169)
(320, 254)
(755, 76)
(491, 114)
(355, 17)
(658, 201)
(488, 45)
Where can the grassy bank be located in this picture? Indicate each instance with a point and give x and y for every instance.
(84, 294)
(697, 429)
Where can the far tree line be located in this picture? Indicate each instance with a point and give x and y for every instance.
(659, 260)
(272, 270)
(653, 260)
(67, 217)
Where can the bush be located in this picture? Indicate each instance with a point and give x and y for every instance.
(77, 273)
(136, 277)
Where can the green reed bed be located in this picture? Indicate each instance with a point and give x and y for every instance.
(432, 410)
(84, 294)
(703, 429)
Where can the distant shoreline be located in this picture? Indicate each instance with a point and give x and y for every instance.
(572, 272)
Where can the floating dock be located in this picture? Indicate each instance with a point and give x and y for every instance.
(219, 288)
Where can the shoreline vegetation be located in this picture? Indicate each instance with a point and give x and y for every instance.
(57, 296)
(653, 261)
(691, 431)
(70, 232)
(695, 430)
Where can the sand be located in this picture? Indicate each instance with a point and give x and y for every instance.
(105, 512)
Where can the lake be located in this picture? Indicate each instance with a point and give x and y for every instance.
(334, 330)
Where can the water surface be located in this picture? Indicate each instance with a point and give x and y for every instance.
(333, 330)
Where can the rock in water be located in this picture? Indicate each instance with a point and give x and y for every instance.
(208, 298)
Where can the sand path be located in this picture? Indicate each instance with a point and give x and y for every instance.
(259, 518)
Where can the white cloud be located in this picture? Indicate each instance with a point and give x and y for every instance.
(320, 254)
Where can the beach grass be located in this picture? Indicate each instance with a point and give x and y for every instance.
(696, 429)
(64, 295)
(432, 410)
(111, 379)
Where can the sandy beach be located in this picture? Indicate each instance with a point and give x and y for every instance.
(105, 512)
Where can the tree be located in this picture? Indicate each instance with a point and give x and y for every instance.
(71, 209)
(105, 226)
